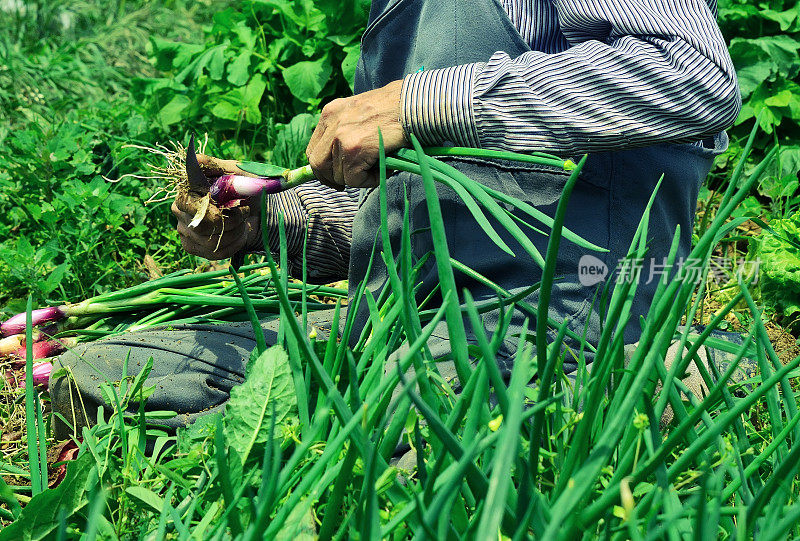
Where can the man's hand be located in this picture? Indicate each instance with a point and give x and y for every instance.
(344, 147)
(223, 232)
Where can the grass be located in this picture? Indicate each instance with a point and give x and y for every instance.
(66, 111)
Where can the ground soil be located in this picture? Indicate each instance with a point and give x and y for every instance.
(786, 345)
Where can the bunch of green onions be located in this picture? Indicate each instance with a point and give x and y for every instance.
(184, 298)
(178, 298)
(227, 190)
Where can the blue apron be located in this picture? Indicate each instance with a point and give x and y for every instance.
(605, 207)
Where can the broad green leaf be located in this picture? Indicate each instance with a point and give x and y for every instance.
(781, 99)
(350, 61)
(737, 12)
(147, 497)
(779, 269)
(9, 499)
(340, 39)
(238, 70)
(293, 139)
(751, 76)
(241, 102)
(307, 79)
(197, 432)
(211, 59)
(769, 119)
(252, 98)
(24, 247)
(216, 63)
(225, 21)
(262, 169)
(745, 114)
(171, 55)
(312, 46)
(790, 160)
(276, 50)
(172, 112)
(55, 278)
(268, 388)
(246, 35)
(780, 51)
(309, 17)
(285, 8)
(227, 109)
(786, 19)
(299, 526)
(40, 518)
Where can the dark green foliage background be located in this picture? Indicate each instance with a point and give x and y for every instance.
(764, 38)
(260, 64)
(66, 110)
(80, 79)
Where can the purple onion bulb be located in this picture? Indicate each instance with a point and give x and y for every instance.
(41, 374)
(45, 349)
(16, 324)
(228, 190)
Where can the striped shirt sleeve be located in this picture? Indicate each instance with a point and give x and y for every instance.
(327, 215)
(636, 73)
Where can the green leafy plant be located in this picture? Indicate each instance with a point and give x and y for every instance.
(764, 39)
(777, 250)
(260, 65)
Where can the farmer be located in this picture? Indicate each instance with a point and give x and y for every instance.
(646, 87)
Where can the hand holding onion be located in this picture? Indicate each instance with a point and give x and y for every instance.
(223, 231)
(343, 150)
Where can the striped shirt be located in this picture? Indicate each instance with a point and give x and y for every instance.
(601, 75)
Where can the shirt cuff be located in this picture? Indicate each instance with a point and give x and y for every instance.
(436, 106)
(294, 222)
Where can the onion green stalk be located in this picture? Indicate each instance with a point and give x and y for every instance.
(243, 187)
(290, 178)
(539, 158)
(178, 297)
(148, 300)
